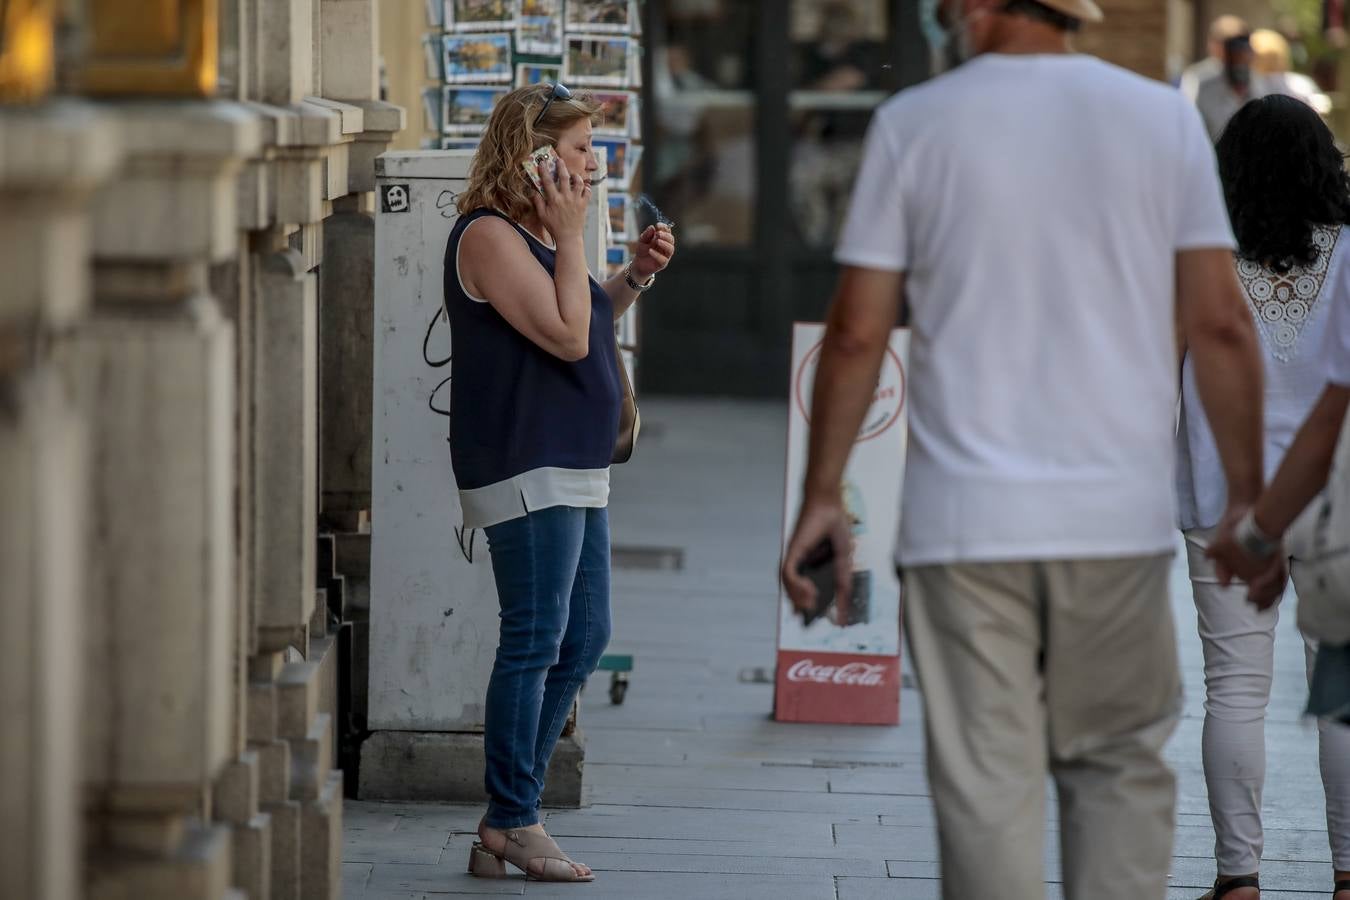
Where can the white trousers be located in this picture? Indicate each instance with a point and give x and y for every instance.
(1239, 644)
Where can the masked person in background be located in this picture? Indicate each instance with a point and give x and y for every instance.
(1220, 30)
(1221, 96)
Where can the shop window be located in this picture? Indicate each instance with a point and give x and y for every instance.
(704, 170)
(843, 69)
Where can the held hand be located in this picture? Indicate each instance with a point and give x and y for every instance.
(1230, 559)
(655, 248)
(819, 520)
(561, 202)
(1266, 589)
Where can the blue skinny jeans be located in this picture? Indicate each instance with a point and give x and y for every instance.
(552, 574)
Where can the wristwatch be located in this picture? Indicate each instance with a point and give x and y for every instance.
(1253, 541)
(636, 285)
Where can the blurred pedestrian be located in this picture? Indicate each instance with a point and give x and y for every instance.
(1220, 30)
(1222, 95)
(1048, 219)
(1273, 62)
(1289, 200)
(535, 401)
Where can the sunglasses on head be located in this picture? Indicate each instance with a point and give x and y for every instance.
(559, 92)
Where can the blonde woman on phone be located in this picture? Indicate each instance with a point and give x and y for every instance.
(535, 398)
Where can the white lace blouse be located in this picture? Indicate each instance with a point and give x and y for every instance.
(1291, 311)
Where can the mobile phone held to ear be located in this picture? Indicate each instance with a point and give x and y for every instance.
(542, 163)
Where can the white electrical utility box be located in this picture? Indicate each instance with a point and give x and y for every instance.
(433, 615)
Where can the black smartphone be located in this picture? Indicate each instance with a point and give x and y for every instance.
(818, 566)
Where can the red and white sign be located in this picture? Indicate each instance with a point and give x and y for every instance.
(848, 671)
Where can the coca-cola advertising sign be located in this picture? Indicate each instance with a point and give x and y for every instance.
(860, 673)
(844, 665)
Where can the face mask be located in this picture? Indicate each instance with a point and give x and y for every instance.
(1239, 76)
(949, 41)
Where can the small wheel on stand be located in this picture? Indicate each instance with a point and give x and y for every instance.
(618, 687)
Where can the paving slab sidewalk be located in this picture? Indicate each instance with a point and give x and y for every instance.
(694, 792)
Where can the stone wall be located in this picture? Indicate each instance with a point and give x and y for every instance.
(169, 347)
(1134, 35)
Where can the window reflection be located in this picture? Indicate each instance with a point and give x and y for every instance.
(704, 172)
(843, 70)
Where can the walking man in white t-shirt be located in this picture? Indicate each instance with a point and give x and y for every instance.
(1051, 221)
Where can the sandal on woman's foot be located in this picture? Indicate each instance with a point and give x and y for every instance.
(533, 852)
(1223, 887)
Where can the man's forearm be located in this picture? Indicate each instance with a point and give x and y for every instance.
(1307, 465)
(846, 378)
(1228, 373)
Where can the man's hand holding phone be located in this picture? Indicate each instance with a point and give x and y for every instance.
(819, 559)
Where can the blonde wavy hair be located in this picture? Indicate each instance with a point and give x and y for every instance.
(496, 179)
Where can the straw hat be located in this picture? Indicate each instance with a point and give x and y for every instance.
(1082, 10)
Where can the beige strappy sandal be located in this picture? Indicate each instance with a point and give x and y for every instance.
(534, 853)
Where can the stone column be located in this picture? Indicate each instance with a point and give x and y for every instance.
(302, 175)
(350, 50)
(154, 368)
(50, 159)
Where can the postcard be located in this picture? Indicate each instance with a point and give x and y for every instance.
(431, 108)
(431, 50)
(535, 73)
(620, 218)
(466, 110)
(540, 28)
(611, 16)
(617, 155)
(480, 15)
(620, 113)
(600, 60)
(473, 58)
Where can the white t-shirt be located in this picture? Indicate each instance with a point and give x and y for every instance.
(1036, 204)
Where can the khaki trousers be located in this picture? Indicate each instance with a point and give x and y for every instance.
(1065, 668)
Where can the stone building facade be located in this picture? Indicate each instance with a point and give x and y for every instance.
(185, 292)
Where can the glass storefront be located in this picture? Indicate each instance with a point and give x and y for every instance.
(756, 112)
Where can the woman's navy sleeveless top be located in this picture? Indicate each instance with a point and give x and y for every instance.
(527, 430)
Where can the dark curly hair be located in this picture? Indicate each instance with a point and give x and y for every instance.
(1282, 175)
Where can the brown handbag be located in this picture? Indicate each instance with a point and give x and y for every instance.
(630, 419)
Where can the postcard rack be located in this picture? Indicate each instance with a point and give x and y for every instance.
(478, 50)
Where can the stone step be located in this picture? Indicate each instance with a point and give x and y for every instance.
(312, 760)
(198, 868)
(448, 767)
(321, 843)
(252, 843)
(274, 772)
(286, 849)
(237, 791)
(325, 653)
(299, 689)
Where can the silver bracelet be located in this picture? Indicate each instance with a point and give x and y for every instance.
(637, 286)
(1253, 541)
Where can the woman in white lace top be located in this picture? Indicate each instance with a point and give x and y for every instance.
(1289, 199)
